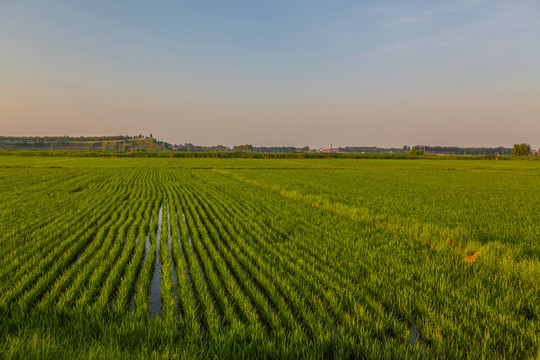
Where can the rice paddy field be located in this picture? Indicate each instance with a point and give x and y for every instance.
(255, 258)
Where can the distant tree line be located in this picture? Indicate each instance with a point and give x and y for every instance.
(252, 155)
(65, 139)
(270, 149)
(188, 147)
(371, 149)
(522, 149)
(81, 143)
(455, 150)
(282, 149)
(149, 143)
(430, 150)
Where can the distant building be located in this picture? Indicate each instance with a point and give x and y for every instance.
(535, 152)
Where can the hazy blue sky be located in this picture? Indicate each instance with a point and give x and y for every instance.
(385, 73)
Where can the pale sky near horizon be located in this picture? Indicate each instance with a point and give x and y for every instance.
(274, 73)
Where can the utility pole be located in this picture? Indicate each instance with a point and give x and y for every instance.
(51, 146)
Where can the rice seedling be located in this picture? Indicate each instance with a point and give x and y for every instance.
(240, 258)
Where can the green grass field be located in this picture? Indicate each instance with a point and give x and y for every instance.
(277, 258)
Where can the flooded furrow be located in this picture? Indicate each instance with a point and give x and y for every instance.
(417, 338)
(171, 260)
(154, 294)
(147, 247)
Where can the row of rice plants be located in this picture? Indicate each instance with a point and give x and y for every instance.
(410, 295)
(58, 224)
(254, 286)
(167, 286)
(241, 318)
(312, 268)
(223, 274)
(46, 268)
(220, 289)
(141, 306)
(303, 303)
(78, 274)
(188, 311)
(120, 217)
(128, 282)
(89, 267)
(117, 267)
(12, 232)
(49, 237)
(341, 257)
(298, 307)
(482, 205)
(206, 308)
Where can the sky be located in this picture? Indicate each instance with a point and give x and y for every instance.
(274, 73)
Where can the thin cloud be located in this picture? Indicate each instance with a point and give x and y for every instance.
(505, 22)
(410, 14)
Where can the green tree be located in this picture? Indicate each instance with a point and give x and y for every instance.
(414, 151)
(246, 148)
(522, 149)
